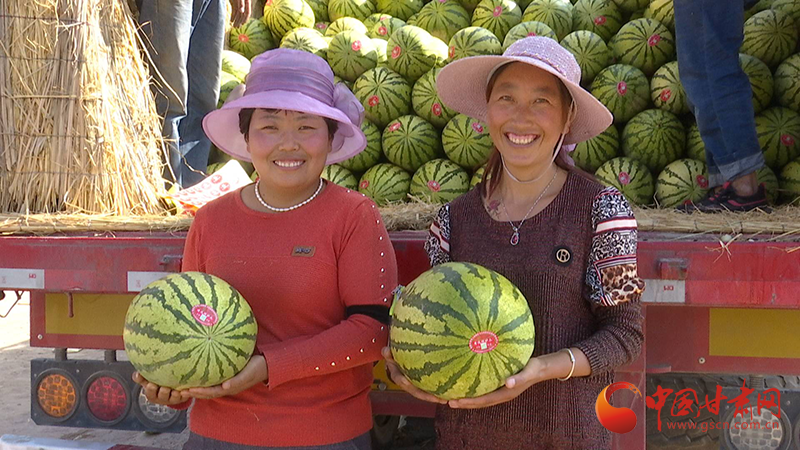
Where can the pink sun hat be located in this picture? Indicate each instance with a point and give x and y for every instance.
(462, 84)
(292, 80)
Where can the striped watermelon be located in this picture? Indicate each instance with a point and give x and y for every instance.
(402, 9)
(630, 6)
(442, 18)
(477, 176)
(439, 181)
(666, 89)
(790, 182)
(339, 175)
(637, 15)
(385, 183)
(357, 9)
(623, 89)
(473, 41)
(380, 49)
(778, 131)
(413, 51)
(459, 330)
(525, 29)
(226, 84)
(654, 137)
(384, 28)
(598, 16)
(630, 176)
(767, 177)
(307, 40)
(556, 14)
(591, 52)
(589, 155)
(384, 94)
(643, 43)
(370, 21)
(320, 8)
(466, 141)
(497, 16)
(787, 83)
(470, 5)
(662, 11)
(790, 7)
(235, 64)
(770, 36)
(683, 181)
(345, 24)
(426, 102)
(695, 148)
(350, 54)
(371, 154)
(251, 39)
(189, 330)
(282, 16)
(761, 81)
(411, 141)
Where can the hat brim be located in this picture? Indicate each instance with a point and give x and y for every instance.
(462, 87)
(222, 125)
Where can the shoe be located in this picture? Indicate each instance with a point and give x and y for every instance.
(726, 199)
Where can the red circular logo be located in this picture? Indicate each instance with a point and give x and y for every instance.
(216, 178)
(382, 30)
(531, 34)
(395, 126)
(436, 109)
(356, 46)
(452, 51)
(787, 140)
(622, 88)
(624, 178)
(434, 186)
(702, 181)
(374, 100)
(205, 185)
(654, 40)
(600, 20)
(322, 25)
(483, 342)
(477, 127)
(244, 38)
(364, 184)
(396, 52)
(205, 315)
(268, 3)
(665, 95)
(497, 11)
(224, 187)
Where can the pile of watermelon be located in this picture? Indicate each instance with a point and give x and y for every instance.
(388, 52)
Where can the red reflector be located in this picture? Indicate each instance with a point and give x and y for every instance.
(107, 399)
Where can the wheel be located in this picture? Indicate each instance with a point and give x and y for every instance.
(383, 431)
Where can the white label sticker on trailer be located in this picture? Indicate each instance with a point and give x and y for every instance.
(22, 278)
(139, 280)
(664, 291)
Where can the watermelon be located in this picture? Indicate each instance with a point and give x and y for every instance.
(643, 43)
(767, 177)
(591, 52)
(351, 53)
(426, 103)
(477, 176)
(770, 36)
(790, 7)
(787, 83)
(778, 132)
(235, 64)
(601, 17)
(282, 16)
(630, 6)
(460, 330)
(790, 182)
(666, 89)
(320, 8)
(623, 89)
(630, 177)
(357, 9)
(345, 24)
(439, 181)
(384, 94)
(411, 141)
(322, 27)
(189, 330)
(761, 81)
(442, 18)
(695, 147)
(654, 137)
(466, 141)
(525, 29)
(226, 84)
(339, 175)
(589, 155)
(470, 5)
(307, 40)
(251, 39)
(662, 11)
(682, 181)
(371, 154)
(556, 14)
(401, 9)
(497, 16)
(473, 41)
(380, 49)
(384, 28)
(370, 21)
(385, 183)
(413, 51)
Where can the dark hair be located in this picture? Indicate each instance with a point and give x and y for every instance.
(246, 116)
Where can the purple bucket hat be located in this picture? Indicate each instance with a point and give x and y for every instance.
(291, 80)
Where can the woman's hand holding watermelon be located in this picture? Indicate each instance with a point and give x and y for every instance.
(399, 379)
(160, 394)
(254, 372)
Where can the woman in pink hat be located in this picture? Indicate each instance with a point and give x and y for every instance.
(313, 260)
(565, 240)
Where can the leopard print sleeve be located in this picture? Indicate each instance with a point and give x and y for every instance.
(612, 274)
(438, 243)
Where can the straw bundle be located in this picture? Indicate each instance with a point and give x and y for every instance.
(78, 127)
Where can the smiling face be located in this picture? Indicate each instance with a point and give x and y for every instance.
(527, 113)
(288, 148)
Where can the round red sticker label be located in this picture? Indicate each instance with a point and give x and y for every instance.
(205, 315)
(244, 38)
(483, 342)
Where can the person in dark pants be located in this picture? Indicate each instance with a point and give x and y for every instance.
(709, 34)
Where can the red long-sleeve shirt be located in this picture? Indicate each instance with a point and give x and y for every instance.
(299, 271)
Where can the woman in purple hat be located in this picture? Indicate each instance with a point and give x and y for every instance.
(313, 260)
(565, 240)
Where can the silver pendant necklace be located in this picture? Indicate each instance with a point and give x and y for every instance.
(272, 208)
(515, 236)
